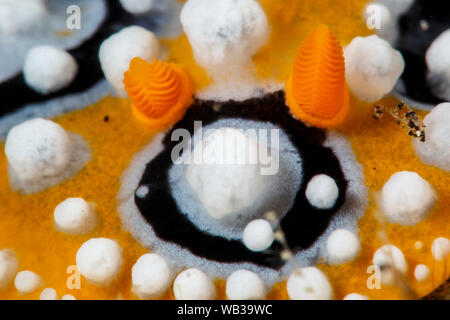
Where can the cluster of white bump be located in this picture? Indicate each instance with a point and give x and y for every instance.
(119, 49)
(372, 67)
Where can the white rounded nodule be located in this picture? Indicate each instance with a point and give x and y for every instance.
(440, 248)
(37, 148)
(193, 284)
(19, 17)
(372, 67)
(68, 297)
(342, 246)
(421, 272)
(406, 198)
(438, 62)
(228, 178)
(48, 69)
(8, 267)
(117, 51)
(309, 283)
(355, 296)
(99, 260)
(322, 192)
(392, 257)
(48, 294)
(258, 235)
(137, 6)
(27, 282)
(151, 276)
(435, 150)
(75, 216)
(245, 285)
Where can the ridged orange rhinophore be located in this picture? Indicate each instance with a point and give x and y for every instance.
(316, 91)
(160, 91)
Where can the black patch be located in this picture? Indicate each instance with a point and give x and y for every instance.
(15, 92)
(302, 225)
(414, 42)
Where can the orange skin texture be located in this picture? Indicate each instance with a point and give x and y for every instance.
(160, 92)
(316, 91)
(381, 147)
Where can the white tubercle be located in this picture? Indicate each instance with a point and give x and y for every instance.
(355, 296)
(440, 248)
(117, 51)
(372, 67)
(421, 272)
(27, 281)
(193, 284)
(150, 276)
(438, 62)
(224, 34)
(8, 267)
(226, 174)
(19, 17)
(48, 294)
(68, 297)
(406, 198)
(137, 6)
(99, 260)
(75, 216)
(342, 246)
(435, 150)
(322, 192)
(309, 283)
(258, 235)
(392, 257)
(49, 69)
(37, 148)
(245, 285)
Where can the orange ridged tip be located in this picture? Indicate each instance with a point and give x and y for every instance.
(160, 91)
(316, 92)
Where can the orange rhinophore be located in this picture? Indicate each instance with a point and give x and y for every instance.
(160, 91)
(316, 91)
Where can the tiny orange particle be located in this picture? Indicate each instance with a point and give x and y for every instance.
(316, 91)
(160, 91)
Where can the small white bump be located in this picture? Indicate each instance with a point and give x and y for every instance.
(142, 192)
(151, 276)
(137, 6)
(245, 285)
(75, 216)
(421, 272)
(309, 283)
(390, 256)
(355, 296)
(322, 192)
(48, 294)
(193, 284)
(68, 297)
(8, 267)
(440, 248)
(342, 246)
(99, 260)
(27, 282)
(258, 235)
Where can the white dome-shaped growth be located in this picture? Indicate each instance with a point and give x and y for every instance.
(342, 246)
(48, 69)
(68, 297)
(355, 296)
(224, 34)
(440, 248)
(27, 281)
(99, 260)
(258, 235)
(151, 276)
(8, 267)
(438, 62)
(309, 284)
(421, 272)
(406, 198)
(227, 178)
(193, 284)
(245, 285)
(322, 192)
(48, 294)
(137, 6)
(392, 257)
(37, 148)
(75, 216)
(372, 67)
(117, 51)
(436, 149)
(22, 16)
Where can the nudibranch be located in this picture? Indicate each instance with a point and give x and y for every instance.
(206, 156)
